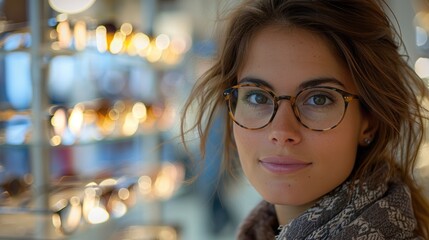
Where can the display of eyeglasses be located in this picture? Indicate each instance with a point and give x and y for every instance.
(86, 106)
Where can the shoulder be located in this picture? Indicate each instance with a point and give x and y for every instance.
(260, 223)
(390, 217)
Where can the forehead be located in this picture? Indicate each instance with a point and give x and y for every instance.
(286, 57)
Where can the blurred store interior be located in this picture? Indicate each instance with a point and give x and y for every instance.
(90, 98)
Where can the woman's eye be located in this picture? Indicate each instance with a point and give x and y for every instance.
(318, 100)
(258, 98)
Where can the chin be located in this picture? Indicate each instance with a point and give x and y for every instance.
(287, 200)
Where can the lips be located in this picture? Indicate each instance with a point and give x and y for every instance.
(283, 165)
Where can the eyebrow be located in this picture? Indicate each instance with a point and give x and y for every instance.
(309, 83)
(256, 81)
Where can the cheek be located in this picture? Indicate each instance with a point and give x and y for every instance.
(337, 149)
(244, 140)
(242, 136)
(336, 154)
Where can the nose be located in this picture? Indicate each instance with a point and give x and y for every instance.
(285, 128)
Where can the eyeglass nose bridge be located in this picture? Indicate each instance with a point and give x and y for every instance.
(291, 100)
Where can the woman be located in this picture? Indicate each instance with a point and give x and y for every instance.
(325, 118)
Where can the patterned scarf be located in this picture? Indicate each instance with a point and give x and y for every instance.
(381, 212)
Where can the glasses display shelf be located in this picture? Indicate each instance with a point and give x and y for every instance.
(80, 131)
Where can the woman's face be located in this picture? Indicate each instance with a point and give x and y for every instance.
(287, 163)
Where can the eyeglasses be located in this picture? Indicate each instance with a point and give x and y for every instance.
(252, 106)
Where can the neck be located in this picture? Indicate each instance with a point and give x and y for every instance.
(286, 213)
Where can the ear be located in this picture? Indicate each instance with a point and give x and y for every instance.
(369, 127)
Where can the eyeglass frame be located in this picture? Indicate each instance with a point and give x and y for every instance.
(346, 96)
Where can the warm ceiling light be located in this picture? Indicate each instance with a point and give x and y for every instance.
(70, 7)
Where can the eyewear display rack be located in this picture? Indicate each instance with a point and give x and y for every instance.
(121, 200)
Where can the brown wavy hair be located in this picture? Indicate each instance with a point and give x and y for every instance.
(364, 37)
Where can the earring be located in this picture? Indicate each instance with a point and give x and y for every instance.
(367, 141)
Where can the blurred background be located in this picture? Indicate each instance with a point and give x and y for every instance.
(90, 98)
